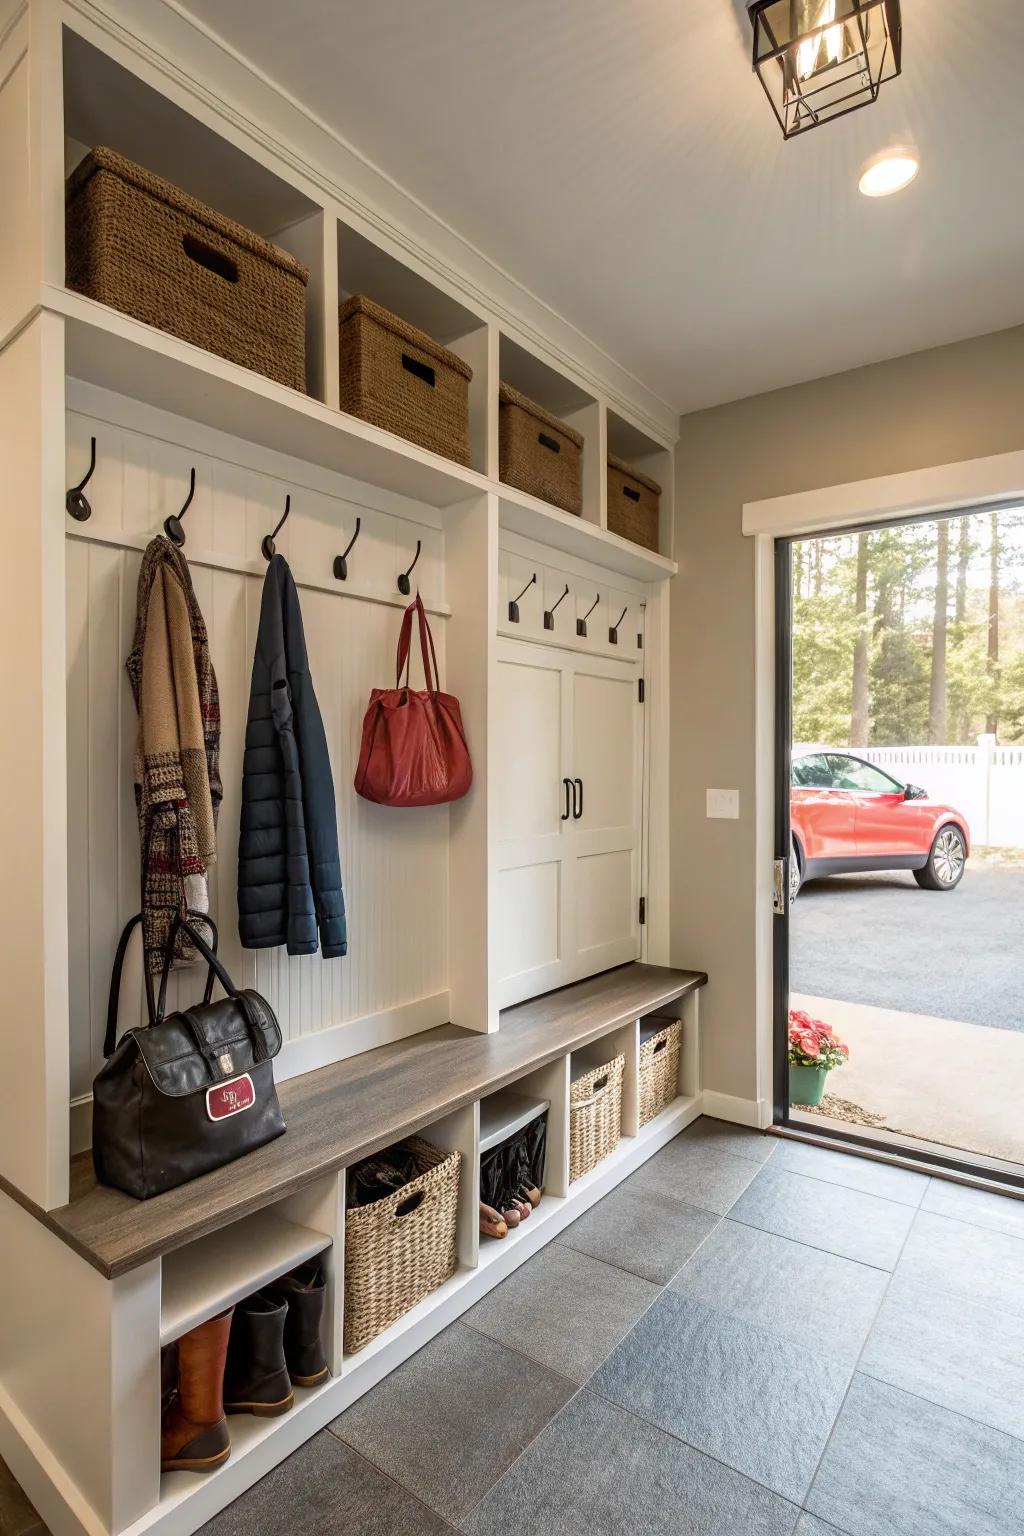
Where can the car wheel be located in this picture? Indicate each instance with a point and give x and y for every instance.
(946, 862)
(796, 878)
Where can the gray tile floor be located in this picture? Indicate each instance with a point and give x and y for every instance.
(747, 1338)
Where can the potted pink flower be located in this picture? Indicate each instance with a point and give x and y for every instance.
(814, 1049)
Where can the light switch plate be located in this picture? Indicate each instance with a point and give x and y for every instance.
(724, 803)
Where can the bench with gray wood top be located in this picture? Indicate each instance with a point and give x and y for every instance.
(347, 1111)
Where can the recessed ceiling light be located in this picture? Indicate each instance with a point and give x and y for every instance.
(889, 172)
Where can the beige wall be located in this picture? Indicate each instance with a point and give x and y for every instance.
(957, 402)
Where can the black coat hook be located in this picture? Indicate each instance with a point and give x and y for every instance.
(513, 607)
(404, 584)
(75, 503)
(549, 616)
(267, 544)
(172, 525)
(581, 624)
(613, 632)
(341, 561)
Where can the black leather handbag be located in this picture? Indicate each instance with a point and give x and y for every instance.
(191, 1092)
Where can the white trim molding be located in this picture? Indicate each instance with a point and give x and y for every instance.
(757, 1113)
(914, 493)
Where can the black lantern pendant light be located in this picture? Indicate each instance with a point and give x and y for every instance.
(819, 59)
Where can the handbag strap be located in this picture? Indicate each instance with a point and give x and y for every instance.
(252, 1024)
(114, 997)
(179, 923)
(152, 1013)
(429, 655)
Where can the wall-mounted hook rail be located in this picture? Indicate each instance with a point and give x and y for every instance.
(513, 607)
(75, 503)
(404, 584)
(267, 544)
(581, 624)
(549, 615)
(613, 630)
(341, 561)
(172, 525)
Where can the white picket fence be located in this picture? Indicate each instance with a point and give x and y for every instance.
(985, 782)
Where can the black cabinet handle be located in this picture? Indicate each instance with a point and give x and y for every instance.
(568, 790)
(577, 799)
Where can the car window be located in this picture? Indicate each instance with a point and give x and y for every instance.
(851, 773)
(811, 773)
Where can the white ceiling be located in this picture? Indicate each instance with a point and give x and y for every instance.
(620, 160)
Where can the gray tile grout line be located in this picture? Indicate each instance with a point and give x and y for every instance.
(582, 1386)
(699, 1450)
(328, 1430)
(976, 1226)
(798, 1173)
(856, 1364)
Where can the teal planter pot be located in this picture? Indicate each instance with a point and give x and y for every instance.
(807, 1085)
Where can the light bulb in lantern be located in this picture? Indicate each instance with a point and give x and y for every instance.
(825, 48)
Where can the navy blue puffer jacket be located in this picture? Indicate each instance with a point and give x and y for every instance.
(289, 872)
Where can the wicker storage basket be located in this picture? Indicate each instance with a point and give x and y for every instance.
(633, 503)
(401, 1248)
(397, 377)
(538, 453)
(141, 245)
(659, 1068)
(595, 1116)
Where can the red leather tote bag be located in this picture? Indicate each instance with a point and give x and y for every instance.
(414, 749)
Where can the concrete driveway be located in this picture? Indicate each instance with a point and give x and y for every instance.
(881, 940)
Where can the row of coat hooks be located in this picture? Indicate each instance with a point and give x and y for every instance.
(581, 624)
(77, 506)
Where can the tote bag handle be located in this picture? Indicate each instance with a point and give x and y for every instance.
(432, 679)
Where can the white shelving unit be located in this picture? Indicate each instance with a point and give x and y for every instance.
(210, 1275)
(138, 76)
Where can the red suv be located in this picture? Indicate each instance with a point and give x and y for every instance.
(847, 815)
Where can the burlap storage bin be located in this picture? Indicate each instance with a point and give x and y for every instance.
(633, 504)
(595, 1116)
(397, 377)
(141, 245)
(401, 1248)
(538, 453)
(659, 1069)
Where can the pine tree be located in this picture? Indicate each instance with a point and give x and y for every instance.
(937, 688)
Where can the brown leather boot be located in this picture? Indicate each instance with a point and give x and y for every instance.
(256, 1378)
(194, 1433)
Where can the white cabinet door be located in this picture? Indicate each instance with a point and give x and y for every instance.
(604, 832)
(568, 817)
(534, 950)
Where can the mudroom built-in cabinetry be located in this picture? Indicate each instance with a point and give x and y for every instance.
(507, 960)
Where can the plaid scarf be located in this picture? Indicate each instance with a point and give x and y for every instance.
(177, 780)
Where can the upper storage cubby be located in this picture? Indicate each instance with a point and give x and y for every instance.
(148, 274)
(409, 388)
(540, 453)
(639, 503)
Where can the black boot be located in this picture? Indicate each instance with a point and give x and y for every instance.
(256, 1379)
(304, 1290)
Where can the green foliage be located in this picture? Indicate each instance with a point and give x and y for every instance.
(900, 619)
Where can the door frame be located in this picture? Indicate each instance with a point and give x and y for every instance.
(972, 485)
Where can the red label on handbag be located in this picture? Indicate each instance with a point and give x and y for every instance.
(228, 1099)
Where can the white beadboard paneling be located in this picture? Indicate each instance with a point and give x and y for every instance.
(395, 863)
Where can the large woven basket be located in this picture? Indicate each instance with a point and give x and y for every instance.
(141, 245)
(659, 1069)
(634, 503)
(397, 377)
(538, 453)
(595, 1116)
(399, 1249)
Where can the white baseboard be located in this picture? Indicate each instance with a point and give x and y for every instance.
(756, 1113)
(320, 1048)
